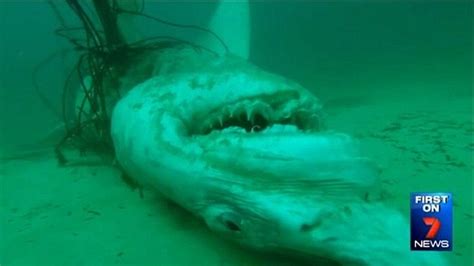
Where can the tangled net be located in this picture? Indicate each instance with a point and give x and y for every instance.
(103, 57)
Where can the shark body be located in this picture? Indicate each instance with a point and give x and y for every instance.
(247, 151)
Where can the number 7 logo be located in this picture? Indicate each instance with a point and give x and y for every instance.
(435, 225)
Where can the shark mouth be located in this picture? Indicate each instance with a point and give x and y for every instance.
(260, 115)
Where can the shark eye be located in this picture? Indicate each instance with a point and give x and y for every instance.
(222, 218)
(232, 226)
(231, 221)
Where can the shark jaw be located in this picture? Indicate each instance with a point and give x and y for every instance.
(245, 150)
(257, 114)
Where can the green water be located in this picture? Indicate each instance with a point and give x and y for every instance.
(398, 76)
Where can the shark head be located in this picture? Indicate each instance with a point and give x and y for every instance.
(246, 151)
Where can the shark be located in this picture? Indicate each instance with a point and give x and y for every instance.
(247, 151)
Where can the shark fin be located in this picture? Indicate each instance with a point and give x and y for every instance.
(231, 22)
(126, 22)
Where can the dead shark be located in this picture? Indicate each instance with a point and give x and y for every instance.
(247, 151)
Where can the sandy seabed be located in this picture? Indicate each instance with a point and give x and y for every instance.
(84, 214)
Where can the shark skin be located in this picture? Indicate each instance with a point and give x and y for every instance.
(246, 151)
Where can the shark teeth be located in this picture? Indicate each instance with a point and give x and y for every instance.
(255, 116)
(259, 108)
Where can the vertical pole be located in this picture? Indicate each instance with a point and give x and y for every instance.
(108, 19)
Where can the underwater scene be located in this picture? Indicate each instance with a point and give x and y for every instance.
(236, 132)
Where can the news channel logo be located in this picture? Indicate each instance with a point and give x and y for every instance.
(431, 220)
